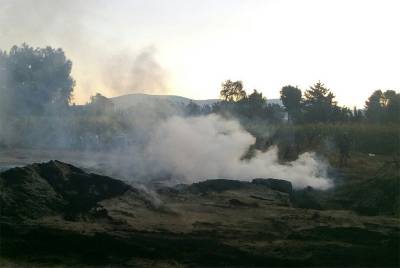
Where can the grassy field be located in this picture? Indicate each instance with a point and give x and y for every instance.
(383, 139)
(369, 185)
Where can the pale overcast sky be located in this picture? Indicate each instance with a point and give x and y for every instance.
(189, 47)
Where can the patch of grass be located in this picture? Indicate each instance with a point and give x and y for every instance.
(368, 185)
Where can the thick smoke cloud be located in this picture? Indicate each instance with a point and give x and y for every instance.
(171, 150)
(207, 147)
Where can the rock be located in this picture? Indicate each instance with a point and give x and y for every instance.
(275, 184)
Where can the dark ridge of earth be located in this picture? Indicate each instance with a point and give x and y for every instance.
(55, 214)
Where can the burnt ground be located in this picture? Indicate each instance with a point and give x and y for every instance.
(55, 214)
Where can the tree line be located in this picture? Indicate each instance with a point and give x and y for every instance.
(36, 91)
(39, 81)
(316, 105)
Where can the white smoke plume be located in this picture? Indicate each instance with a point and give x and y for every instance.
(199, 148)
(128, 73)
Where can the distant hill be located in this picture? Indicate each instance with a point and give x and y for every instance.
(131, 100)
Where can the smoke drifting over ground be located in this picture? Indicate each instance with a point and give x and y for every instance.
(199, 148)
(145, 141)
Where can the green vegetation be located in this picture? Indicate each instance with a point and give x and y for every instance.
(37, 87)
(236, 103)
(369, 185)
(317, 105)
(291, 99)
(363, 137)
(34, 81)
(362, 147)
(315, 121)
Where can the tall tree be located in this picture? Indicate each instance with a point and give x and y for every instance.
(253, 105)
(257, 98)
(392, 106)
(36, 79)
(383, 106)
(232, 91)
(373, 107)
(291, 99)
(319, 103)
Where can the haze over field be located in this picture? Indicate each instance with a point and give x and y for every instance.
(188, 47)
(189, 133)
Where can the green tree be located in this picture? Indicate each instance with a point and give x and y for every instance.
(250, 107)
(392, 106)
(319, 103)
(383, 107)
(99, 104)
(374, 107)
(291, 99)
(256, 98)
(341, 114)
(232, 91)
(35, 80)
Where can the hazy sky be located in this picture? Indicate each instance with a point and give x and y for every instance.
(189, 47)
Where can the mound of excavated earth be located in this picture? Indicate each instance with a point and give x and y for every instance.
(57, 214)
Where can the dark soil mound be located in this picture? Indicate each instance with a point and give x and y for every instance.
(218, 185)
(275, 184)
(53, 187)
